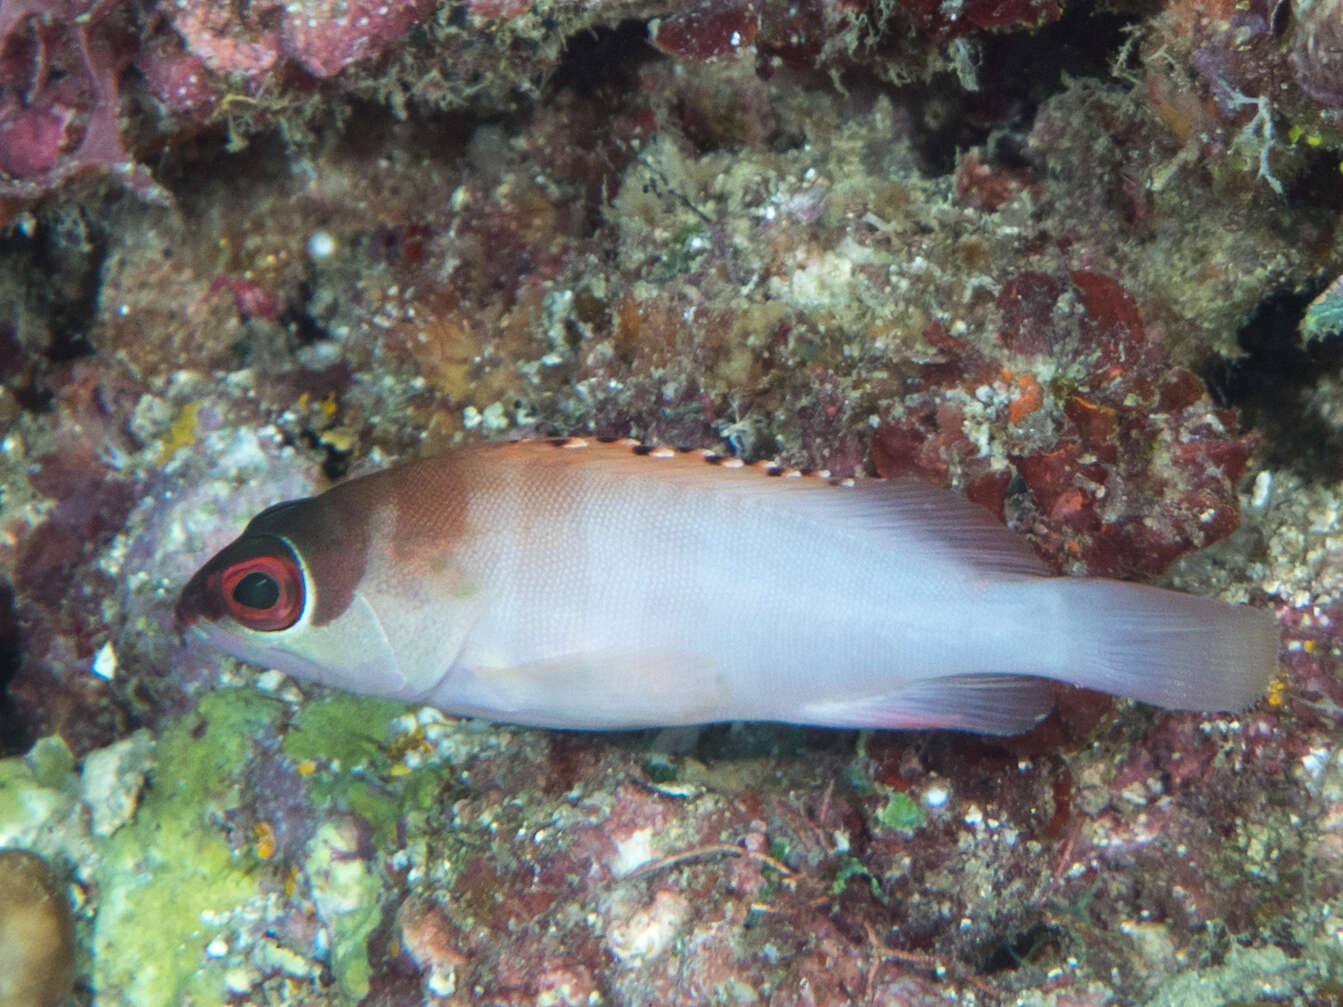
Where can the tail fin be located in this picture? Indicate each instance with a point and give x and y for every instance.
(1166, 648)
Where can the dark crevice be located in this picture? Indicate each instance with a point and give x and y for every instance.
(598, 74)
(601, 60)
(302, 327)
(1273, 387)
(1024, 947)
(335, 463)
(1016, 72)
(1030, 66)
(33, 397)
(370, 130)
(49, 301)
(19, 374)
(194, 172)
(14, 734)
(1317, 184)
(62, 267)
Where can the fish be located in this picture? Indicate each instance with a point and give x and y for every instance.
(570, 583)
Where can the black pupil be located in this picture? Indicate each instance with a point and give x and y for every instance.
(257, 590)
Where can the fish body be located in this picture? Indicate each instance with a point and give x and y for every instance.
(568, 583)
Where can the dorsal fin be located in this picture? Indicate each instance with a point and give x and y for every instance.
(874, 509)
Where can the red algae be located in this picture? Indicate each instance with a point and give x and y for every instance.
(708, 30)
(945, 20)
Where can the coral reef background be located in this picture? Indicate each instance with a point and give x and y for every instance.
(1075, 259)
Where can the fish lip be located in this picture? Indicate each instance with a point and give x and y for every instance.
(186, 625)
(199, 599)
(196, 607)
(184, 617)
(196, 633)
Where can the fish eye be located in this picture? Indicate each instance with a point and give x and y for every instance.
(257, 590)
(264, 593)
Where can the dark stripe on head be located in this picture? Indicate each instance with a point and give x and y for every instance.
(333, 547)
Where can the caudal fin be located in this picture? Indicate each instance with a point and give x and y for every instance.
(1166, 648)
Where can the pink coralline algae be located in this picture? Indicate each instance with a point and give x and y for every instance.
(321, 36)
(982, 187)
(62, 62)
(178, 80)
(59, 112)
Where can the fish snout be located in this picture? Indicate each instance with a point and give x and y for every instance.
(194, 603)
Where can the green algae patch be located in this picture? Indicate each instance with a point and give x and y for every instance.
(199, 756)
(52, 762)
(188, 873)
(900, 812)
(1324, 318)
(342, 737)
(890, 808)
(851, 867)
(344, 730)
(340, 740)
(170, 880)
(345, 889)
(37, 793)
(185, 894)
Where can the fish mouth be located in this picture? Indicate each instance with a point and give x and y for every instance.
(193, 618)
(183, 621)
(186, 613)
(199, 600)
(189, 628)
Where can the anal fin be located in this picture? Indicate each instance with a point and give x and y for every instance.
(986, 703)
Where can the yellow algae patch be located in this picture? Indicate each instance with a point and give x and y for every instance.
(182, 434)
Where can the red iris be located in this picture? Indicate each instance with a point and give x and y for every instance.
(263, 592)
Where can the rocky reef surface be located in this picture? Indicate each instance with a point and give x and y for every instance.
(1075, 260)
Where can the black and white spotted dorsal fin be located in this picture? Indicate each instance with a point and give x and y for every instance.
(875, 510)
